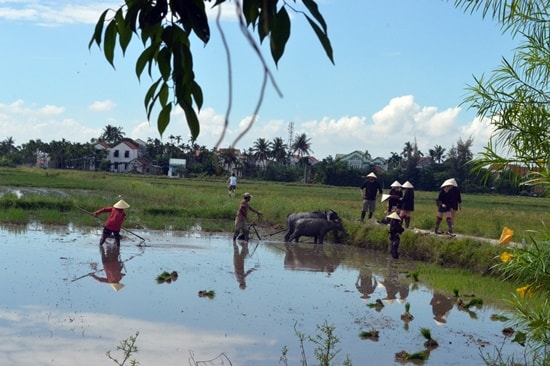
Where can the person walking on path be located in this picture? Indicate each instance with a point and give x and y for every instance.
(444, 200)
(407, 203)
(370, 190)
(456, 198)
(114, 222)
(396, 229)
(231, 185)
(241, 220)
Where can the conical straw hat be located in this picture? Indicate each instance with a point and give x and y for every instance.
(394, 216)
(395, 184)
(121, 204)
(117, 286)
(384, 197)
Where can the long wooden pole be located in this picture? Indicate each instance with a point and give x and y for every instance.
(90, 213)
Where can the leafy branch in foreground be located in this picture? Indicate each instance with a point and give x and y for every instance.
(165, 28)
(128, 347)
(325, 350)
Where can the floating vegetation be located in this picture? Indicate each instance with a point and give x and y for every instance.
(430, 342)
(407, 316)
(166, 277)
(417, 356)
(508, 331)
(377, 305)
(207, 293)
(499, 318)
(477, 302)
(373, 335)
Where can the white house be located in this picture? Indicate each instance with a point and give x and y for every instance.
(121, 155)
(358, 160)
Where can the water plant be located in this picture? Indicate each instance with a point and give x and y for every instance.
(407, 316)
(377, 305)
(430, 342)
(404, 356)
(207, 293)
(372, 334)
(166, 277)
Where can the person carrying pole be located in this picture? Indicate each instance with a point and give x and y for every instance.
(114, 222)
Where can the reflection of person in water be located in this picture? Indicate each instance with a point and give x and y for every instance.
(365, 283)
(238, 262)
(112, 265)
(394, 287)
(441, 307)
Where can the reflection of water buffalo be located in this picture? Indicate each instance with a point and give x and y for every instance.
(317, 228)
(309, 259)
(291, 219)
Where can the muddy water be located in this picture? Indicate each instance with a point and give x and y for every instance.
(58, 308)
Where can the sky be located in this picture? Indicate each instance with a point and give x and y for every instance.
(400, 73)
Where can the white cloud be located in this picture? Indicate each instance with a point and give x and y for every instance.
(102, 106)
(400, 121)
(70, 339)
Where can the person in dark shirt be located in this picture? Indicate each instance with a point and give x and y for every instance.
(407, 203)
(444, 201)
(395, 234)
(370, 190)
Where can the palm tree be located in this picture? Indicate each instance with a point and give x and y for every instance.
(437, 153)
(112, 134)
(7, 146)
(407, 150)
(302, 147)
(279, 150)
(261, 149)
(229, 159)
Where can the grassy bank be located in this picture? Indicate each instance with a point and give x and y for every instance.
(58, 197)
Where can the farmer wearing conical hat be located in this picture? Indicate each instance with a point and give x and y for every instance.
(444, 205)
(407, 203)
(370, 189)
(396, 229)
(114, 221)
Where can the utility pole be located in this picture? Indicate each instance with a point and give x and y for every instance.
(290, 133)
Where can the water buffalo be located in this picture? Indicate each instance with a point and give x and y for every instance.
(330, 215)
(316, 227)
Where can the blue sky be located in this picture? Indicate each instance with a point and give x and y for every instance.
(400, 73)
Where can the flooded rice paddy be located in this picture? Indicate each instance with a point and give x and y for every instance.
(65, 302)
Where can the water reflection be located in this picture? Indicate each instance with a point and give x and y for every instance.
(112, 265)
(239, 257)
(366, 283)
(441, 307)
(394, 286)
(70, 322)
(310, 258)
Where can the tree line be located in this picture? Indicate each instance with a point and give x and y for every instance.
(272, 160)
